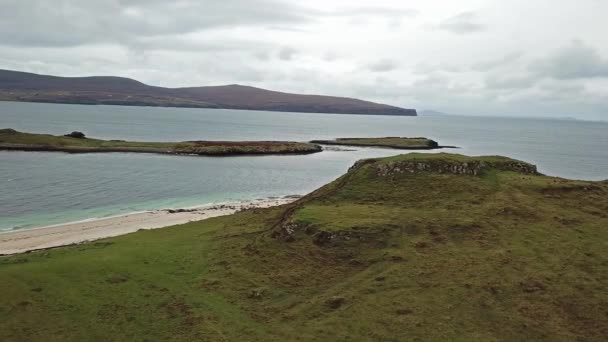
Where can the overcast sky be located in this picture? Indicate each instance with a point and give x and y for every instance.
(475, 57)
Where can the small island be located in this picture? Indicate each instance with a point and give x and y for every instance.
(388, 142)
(77, 142)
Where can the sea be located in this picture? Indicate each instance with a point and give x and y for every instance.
(42, 188)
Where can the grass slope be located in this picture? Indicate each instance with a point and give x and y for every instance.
(14, 140)
(413, 247)
(390, 142)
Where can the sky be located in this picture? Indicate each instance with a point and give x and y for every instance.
(472, 57)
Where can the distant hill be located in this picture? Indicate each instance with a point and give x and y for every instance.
(28, 87)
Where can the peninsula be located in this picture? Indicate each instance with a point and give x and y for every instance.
(412, 247)
(109, 90)
(76, 142)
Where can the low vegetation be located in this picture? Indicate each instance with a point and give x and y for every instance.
(414, 247)
(75, 143)
(390, 142)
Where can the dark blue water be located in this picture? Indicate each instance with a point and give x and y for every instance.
(47, 188)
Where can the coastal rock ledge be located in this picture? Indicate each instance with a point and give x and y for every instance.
(471, 166)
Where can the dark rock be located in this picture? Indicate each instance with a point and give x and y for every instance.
(309, 230)
(322, 238)
(286, 232)
(396, 258)
(474, 167)
(355, 262)
(175, 211)
(76, 134)
(256, 293)
(335, 302)
(404, 311)
(422, 244)
(532, 286)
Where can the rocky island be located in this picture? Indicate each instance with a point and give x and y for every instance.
(387, 142)
(412, 247)
(77, 142)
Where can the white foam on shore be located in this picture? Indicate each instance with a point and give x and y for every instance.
(24, 240)
(112, 216)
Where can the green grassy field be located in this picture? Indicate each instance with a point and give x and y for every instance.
(14, 140)
(390, 142)
(381, 254)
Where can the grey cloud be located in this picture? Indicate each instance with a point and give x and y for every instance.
(262, 55)
(383, 65)
(376, 11)
(510, 82)
(210, 43)
(424, 68)
(287, 53)
(463, 23)
(431, 82)
(359, 15)
(330, 56)
(562, 89)
(507, 59)
(72, 23)
(206, 42)
(574, 61)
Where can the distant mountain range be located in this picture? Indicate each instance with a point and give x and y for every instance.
(107, 90)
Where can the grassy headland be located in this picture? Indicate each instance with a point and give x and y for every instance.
(390, 142)
(14, 140)
(413, 247)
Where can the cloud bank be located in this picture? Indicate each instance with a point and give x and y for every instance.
(478, 57)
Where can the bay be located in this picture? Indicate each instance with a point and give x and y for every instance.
(48, 188)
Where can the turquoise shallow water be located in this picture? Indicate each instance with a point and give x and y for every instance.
(48, 188)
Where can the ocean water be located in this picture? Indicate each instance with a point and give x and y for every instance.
(39, 189)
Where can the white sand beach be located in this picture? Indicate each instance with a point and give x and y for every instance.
(21, 241)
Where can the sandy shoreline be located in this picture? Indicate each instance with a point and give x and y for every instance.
(21, 241)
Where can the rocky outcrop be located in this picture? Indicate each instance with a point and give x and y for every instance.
(465, 168)
(472, 166)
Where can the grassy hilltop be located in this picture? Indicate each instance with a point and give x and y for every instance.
(413, 247)
(11, 139)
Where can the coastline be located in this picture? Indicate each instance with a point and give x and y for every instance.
(27, 240)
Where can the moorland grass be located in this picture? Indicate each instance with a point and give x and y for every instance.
(425, 256)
